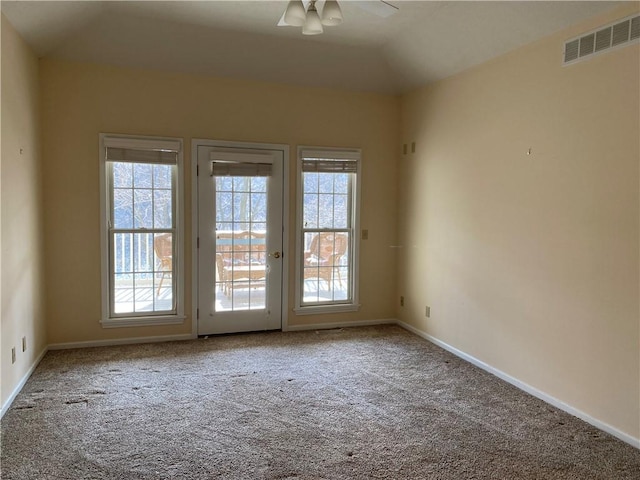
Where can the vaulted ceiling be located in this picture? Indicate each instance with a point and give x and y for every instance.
(423, 42)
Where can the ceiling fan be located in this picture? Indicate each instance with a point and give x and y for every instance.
(303, 13)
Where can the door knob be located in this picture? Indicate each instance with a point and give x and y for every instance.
(275, 255)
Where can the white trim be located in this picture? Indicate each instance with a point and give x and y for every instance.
(330, 152)
(194, 237)
(635, 442)
(354, 323)
(22, 382)
(143, 321)
(279, 147)
(321, 309)
(287, 253)
(122, 341)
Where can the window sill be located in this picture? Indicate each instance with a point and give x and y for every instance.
(142, 321)
(322, 309)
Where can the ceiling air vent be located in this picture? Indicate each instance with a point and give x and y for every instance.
(603, 39)
(621, 32)
(586, 44)
(635, 28)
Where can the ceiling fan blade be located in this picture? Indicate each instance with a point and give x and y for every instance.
(378, 7)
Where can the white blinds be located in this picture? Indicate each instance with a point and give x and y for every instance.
(237, 169)
(240, 164)
(330, 161)
(120, 149)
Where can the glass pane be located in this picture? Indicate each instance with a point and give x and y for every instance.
(162, 176)
(340, 211)
(224, 184)
(310, 181)
(325, 181)
(123, 208)
(143, 252)
(143, 292)
(342, 291)
(241, 209)
(311, 247)
(310, 211)
(341, 183)
(326, 211)
(122, 251)
(143, 213)
(224, 206)
(122, 175)
(241, 184)
(257, 297)
(239, 255)
(123, 293)
(259, 207)
(311, 291)
(163, 278)
(162, 209)
(163, 251)
(259, 184)
(142, 175)
(225, 227)
(163, 287)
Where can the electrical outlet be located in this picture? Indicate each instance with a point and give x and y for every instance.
(365, 235)
(13, 354)
(413, 147)
(24, 344)
(401, 300)
(427, 311)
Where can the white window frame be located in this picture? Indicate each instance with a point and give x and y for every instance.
(354, 229)
(110, 320)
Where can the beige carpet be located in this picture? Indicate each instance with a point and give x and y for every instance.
(362, 403)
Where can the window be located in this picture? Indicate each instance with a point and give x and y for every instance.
(327, 261)
(141, 230)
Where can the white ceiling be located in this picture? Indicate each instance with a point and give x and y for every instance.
(423, 42)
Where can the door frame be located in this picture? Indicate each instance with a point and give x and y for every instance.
(280, 147)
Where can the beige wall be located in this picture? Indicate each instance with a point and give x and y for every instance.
(530, 262)
(81, 100)
(21, 306)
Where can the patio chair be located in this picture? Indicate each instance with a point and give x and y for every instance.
(323, 256)
(162, 245)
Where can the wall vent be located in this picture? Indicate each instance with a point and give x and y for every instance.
(616, 34)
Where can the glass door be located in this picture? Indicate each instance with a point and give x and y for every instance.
(240, 239)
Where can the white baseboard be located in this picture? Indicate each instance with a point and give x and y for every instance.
(21, 383)
(355, 323)
(635, 442)
(121, 341)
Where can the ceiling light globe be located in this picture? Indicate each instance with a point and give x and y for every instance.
(295, 14)
(331, 13)
(313, 25)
